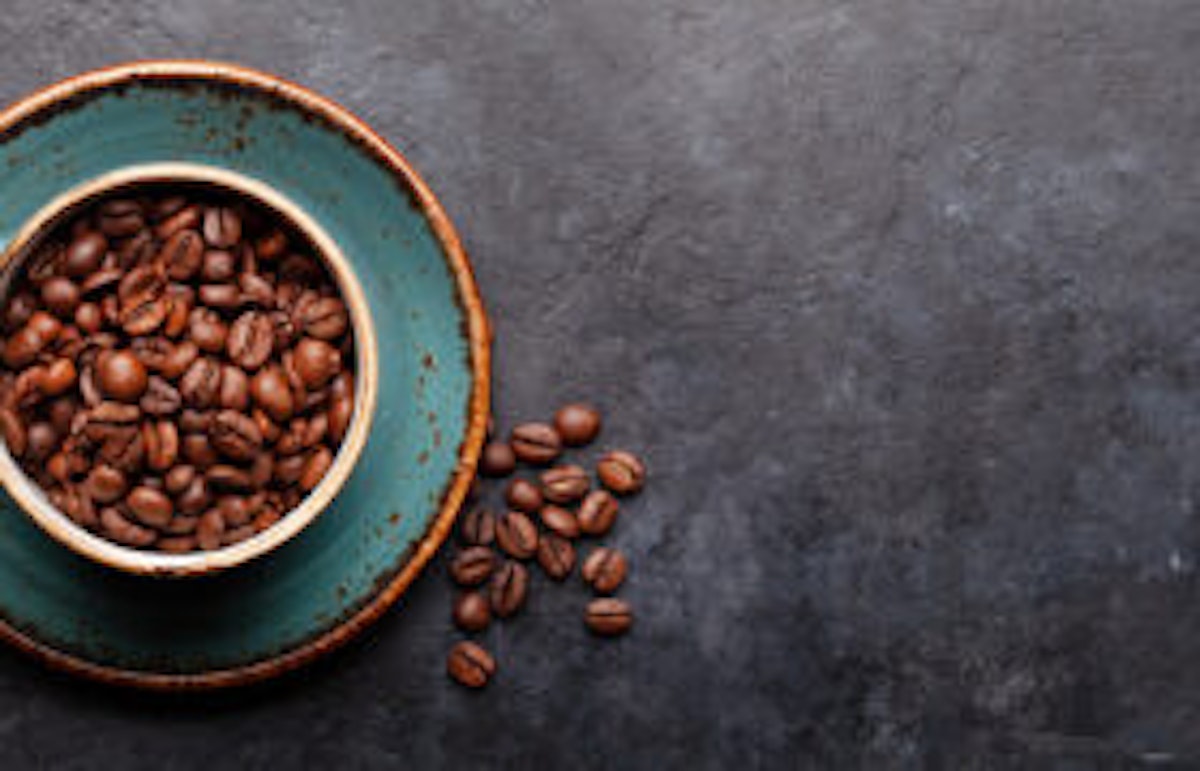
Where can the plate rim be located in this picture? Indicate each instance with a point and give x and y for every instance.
(418, 554)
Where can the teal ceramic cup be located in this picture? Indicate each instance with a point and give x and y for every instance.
(30, 496)
(265, 607)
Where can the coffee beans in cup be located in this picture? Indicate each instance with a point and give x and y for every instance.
(178, 369)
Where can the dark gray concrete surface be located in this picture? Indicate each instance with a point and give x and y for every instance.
(900, 299)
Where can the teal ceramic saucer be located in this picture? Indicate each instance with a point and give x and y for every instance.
(332, 580)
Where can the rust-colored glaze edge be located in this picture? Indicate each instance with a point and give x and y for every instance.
(480, 353)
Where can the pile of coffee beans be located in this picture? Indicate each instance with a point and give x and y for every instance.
(545, 519)
(177, 369)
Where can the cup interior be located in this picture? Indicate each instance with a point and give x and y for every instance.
(32, 498)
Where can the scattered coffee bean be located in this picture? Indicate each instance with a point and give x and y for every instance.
(560, 521)
(473, 566)
(621, 472)
(563, 484)
(608, 616)
(523, 495)
(169, 386)
(509, 587)
(470, 665)
(535, 443)
(498, 459)
(478, 527)
(556, 555)
(604, 569)
(577, 424)
(472, 612)
(516, 535)
(598, 512)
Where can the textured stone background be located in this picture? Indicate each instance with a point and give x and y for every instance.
(901, 301)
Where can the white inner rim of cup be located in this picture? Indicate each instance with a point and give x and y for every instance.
(31, 496)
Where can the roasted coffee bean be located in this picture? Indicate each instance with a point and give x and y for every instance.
(235, 435)
(161, 398)
(324, 318)
(84, 254)
(207, 331)
(121, 375)
(58, 378)
(88, 318)
(560, 521)
(179, 360)
(262, 470)
(105, 484)
(181, 301)
(14, 432)
(151, 507)
(201, 384)
(523, 495)
(316, 362)
(608, 616)
(516, 535)
(315, 469)
(225, 477)
(196, 498)
(195, 421)
(20, 307)
(210, 529)
(120, 218)
(497, 460)
(271, 246)
(470, 665)
(61, 296)
(177, 544)
(251, 340)
(472, 613)
(235, 510)
(219, 267)
(178, 479)
(270, 390)
(42, 439)
(621, 472)
(563, 484)
(598, 512)
(183, 254)
(138, 250)
(508, 589)
(100, 281)
(160, 441)
(118, 528)
(289, 470)
(222, 227)
(478, 527)
(235, 389)
(187, 218)
(577, 424)
(604, 569)
(473, 566)
(197, 450)
(222, 296)
(556, 555)
(535, 443)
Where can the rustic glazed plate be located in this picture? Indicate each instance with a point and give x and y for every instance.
(321, 588)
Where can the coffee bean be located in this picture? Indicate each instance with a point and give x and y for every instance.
(179, 360)
(316, 362)
(210, 529)
(472, 612)
(560, 521)
(197, 450)
(577, 424)
(535, 443)
(315, 469)
(271, 246)
(270, 390)
(563, 484)
(608, 616)
(473, 566)
(225, 477)
(235, 435)
(121, 375)
(118, 528)
(508, 589)
(151, 507)
(478, 527)
(88, 318)
(201, 384)
(222, 227)
(61, 296)
(207, 331)
(497, 460)
(604, 569)
(105, 484)
(177, 544)
(196, 498)
(84, 254)
(235, 389)
(218, 267)
(58, 378)
(183, 254)
(621, 472)
(161, 398)
(14, 432)
(516, 535)
(556, 555)
(523, 495)
(470, 665)
(251, 340)
(289, 470)
(178, 479)
(161, 442)
(42, 439)
(222, 296)
(598, 512)
(120, 218)
(187, 218)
